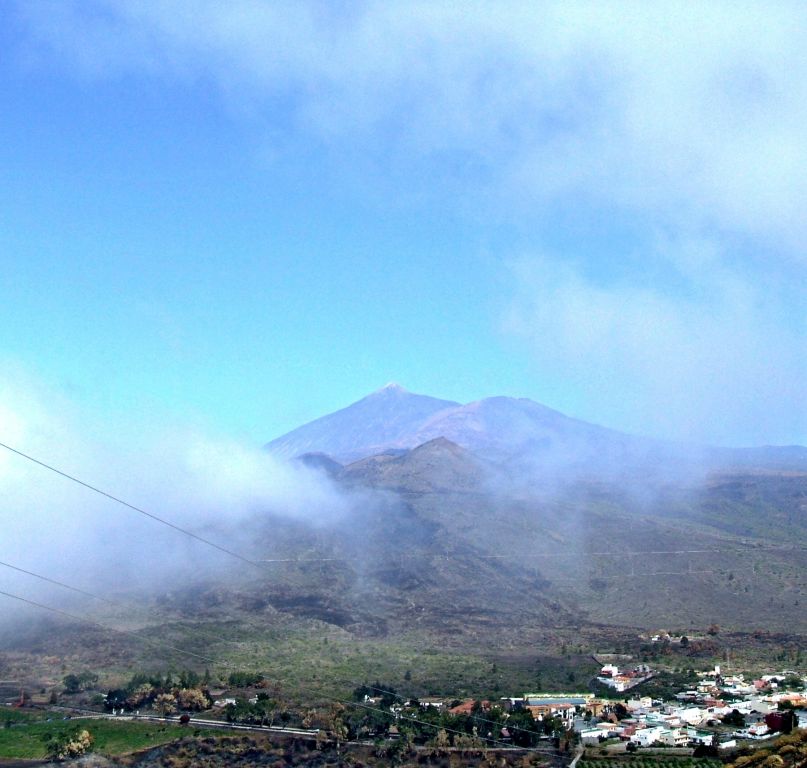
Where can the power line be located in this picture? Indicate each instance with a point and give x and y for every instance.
(261, 563)
(157, 643)
(151, 642)
(127, 632)
(550, 555)
(126, 504)
(57, 583)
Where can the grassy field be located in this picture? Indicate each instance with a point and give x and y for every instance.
(650, 761)
(26, 739)
(11, 716)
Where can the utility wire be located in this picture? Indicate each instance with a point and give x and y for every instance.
(209, 659)
(140, 511)
(334, 699)
(554, 555)
(147, 640)
(265, 561)
(128, 632)
(259, 563)
(57, 583)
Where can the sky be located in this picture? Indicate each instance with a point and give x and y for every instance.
(237, 217)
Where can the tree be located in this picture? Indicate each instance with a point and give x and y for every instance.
(441, 739)
(140, 695)
(60, 746)
(265, 708)
(80, 682)
(116, 699)
(245, 679)
(192, 698)
(188, 679)
(735, 718)
(165, 704)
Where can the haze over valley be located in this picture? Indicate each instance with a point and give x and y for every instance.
(572, 527)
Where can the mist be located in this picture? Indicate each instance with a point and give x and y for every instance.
(220, 489)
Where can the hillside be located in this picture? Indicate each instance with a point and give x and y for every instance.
(504, 497)
(469, 568)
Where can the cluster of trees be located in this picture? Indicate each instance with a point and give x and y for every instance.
(793, 682)
(734, 718)
(265, 711)
(165, 694)
(440, 728)
(76, 683)
(245, 679)
(61, 746)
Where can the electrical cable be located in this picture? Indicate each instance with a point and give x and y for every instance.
(209, 660)
(227, 665)
(261, 562)
(126, 504)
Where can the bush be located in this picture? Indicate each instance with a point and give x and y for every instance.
(244, 679)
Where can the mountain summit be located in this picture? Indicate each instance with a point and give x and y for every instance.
(386, 418)
(505, 430)
(499, 428)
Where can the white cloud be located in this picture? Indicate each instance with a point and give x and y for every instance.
(685, 118)
(689, 112)
(710, 360)
(219, 489)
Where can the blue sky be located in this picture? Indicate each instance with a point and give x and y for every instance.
(239, 216)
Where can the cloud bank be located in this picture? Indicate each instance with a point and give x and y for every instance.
(714, 361)
(682, 123)
(692, 112)
(218, 489)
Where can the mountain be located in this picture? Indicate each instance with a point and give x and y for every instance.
(437, 465)
(461, 553)
(477, 507)
(496, 427)
(514, 432)
(386, 418)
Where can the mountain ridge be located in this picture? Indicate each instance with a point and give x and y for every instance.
(505, 430)
(377, 421)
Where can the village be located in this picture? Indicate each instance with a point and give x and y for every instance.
(719, 713)
(718, 716)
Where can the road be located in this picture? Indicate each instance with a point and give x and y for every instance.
(90, 714)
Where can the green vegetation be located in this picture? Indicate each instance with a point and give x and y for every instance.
(80, 682)
(12, 716)
(665, 685)
(650, 761)
(244, 679)
(163, 693)
(29, 740)
(786, 752)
